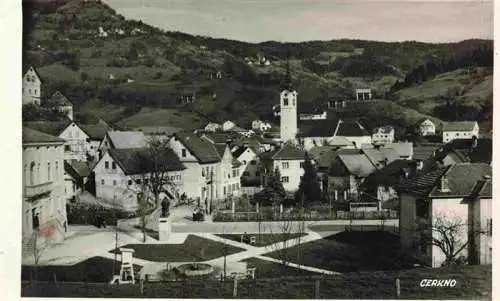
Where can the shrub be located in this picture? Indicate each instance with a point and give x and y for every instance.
(86, 214)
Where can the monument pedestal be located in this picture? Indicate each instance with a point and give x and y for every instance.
(164, 228)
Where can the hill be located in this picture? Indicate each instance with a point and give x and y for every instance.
(106, 63)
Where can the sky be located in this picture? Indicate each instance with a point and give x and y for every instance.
(304, 20)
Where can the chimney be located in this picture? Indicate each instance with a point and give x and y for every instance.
(445, 187)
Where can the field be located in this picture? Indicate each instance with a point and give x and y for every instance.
(473, 282)
(164, 117)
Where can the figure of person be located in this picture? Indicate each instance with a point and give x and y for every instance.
(165, 204)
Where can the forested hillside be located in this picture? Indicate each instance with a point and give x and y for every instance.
(116, 69)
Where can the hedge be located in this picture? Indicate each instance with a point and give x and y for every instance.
(86, 214)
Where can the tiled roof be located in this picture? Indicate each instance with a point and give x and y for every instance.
(459, 126)
(77, 168)
(289, 152)
(318, 128)
(462, 179)
(221, 148)
(135, 161)
(351, 129)
(384, 129)
(236, 163)
(482, 153)
(48, 127)
(59, 99)
(204, 150)
(422, 185)
(404, 149)
(95, 131)
(240, 150)
(325, 155)
(127, 139)
(223, 137)
(26, 67)
(339, 141)
(34, 136)
(379, 157)
(390, 174)
(424, 152)
(357, 164)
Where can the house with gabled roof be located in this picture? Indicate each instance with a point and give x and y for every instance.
(61, 103)
(252, 170)
(209, 175)
(119, 174)
(32, 85)
(460, 130)
(383, 135)
(460, 195)
(425, 127)
(289, 160)
(76, 146)
(123, 140)
(43, 202)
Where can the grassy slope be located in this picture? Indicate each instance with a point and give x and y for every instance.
(164, 117)
(429, 94)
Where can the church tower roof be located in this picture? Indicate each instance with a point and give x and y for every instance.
(287, 85)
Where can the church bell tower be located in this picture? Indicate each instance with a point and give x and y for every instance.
(288, 110)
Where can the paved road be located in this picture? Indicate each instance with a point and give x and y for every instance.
(276, 227)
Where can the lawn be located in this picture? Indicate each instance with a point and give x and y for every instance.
(350, 252)
(190, 250)
(268, 269)
(473, 282)
(264, 239)
(95, 269)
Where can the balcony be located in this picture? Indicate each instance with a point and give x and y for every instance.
(35, 190)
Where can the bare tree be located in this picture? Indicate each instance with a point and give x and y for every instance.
(38, 246)
(451, 235)
(288, 227)
(153, 165)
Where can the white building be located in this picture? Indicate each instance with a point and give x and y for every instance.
(289, 160)
(262, 126)
(32, 86)
(460, 194)
(460, 130)
(119, 173)
(211, 173)
(76, 175)
(383, 135)
(425, 127)
(251, 169)
(228, 125)
(313, 116)
(61, 103)
(43, 205)
(363, 95)
(212, 127)
(123, 140)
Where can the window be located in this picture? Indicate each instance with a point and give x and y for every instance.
(114, 182)
(224, 190)
(285, 101)
(67, 148)
(35, 218)
(138, 181)
(102, 182)
(490, 226)
(257, 173)
(106, 164)
(32, 173)
(285, 165)
(235, 173)
(49, 176)
(35, 91)
(113, 165)
(29, 90)
(129, 182)
(457, 134)
(244, 162)
(203, 172)
(301, 164)
(57, 170)
(183, 153)
(284, 179)
(246, 174)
